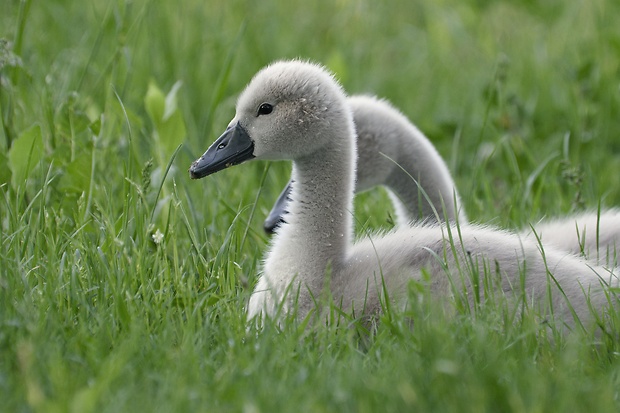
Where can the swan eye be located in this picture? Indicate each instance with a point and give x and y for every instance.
(265, 109)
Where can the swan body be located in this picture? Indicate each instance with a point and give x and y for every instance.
(594, 235)
(294, 110)
(394, 153)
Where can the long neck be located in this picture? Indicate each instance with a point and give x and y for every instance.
(319, 224)
(421, 161)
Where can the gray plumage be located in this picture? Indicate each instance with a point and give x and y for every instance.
(311, 124)
(394, 153)
(594, 235)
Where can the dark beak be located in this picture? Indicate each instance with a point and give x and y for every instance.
(232, 148)
(276, 216)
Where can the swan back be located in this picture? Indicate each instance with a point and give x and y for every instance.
(596, 235)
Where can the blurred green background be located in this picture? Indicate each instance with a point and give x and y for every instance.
(501, 88)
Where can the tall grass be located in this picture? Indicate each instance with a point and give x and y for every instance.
(122, 283)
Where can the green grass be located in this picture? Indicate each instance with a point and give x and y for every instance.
(522, 99)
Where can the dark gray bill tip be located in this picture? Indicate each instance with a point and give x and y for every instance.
(198, 169)
(275, 219)
(270, 226)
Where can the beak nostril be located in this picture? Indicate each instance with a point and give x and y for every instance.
(221, 146)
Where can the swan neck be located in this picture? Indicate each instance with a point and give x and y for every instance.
(319, 230)
(323, 193)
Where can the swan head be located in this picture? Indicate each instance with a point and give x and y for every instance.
(289, 110)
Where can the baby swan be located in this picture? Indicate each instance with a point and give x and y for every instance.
(392, 152)
(294, 110)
